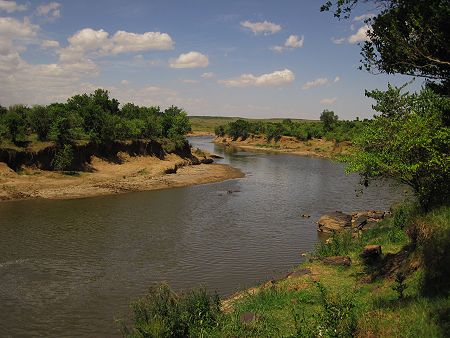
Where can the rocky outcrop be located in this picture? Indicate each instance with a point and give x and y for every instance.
(357, 221)
(334, 222)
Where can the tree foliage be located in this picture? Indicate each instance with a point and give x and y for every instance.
(409, 142)
(329, 119)
(406, 37)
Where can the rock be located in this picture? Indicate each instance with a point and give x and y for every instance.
(337, 260)
(371, 252)
(334, 222)
(359, 222)
(306, 216)
(378, 215)
(206, 160)
(216, 156)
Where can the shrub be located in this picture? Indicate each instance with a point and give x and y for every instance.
(338, 244)
(163, 313)
(337, 318)
(63, 158)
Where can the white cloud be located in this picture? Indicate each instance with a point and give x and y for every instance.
(322, 81)
(363, 17)
(277, 78)
(11, 6)
(50, 44)
(190, 60)
(11, 28)
(338, 41)
(99, 42)
(265, 27)
(294, 41)
(125, 82)
(52, 9)
(132, 42)
(360, 35)
(89, 39)
(328, 101)
(208, 75)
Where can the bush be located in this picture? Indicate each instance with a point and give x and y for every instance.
(163, 313)
(337, 318)
(63, 158)
(338, 244)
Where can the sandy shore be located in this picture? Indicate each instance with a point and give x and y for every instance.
(289, 145)
(134, 174)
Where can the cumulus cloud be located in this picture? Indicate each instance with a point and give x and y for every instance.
(99, 41)
(277, 78)
(328, 101)
(208, 75)
(11, 6)
(322, 81)
(190, 60)
(132, 42)
(265, 27)
(50, 44)
(12, 28)
(52, 9)
(294, 41)
(360, 35)
(337, 79)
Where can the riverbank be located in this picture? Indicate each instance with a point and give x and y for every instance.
(289, 145)
(134, 173)
(392, 281)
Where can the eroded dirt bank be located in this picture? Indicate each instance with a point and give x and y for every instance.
(135, 173)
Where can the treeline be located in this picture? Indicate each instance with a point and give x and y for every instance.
(329, 127)
(91, 117)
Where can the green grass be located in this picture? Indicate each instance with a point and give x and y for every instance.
(359, 300)
(208, 123)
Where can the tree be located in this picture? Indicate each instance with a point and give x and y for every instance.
(16, 125)
(40, 119)
(408, 142)
(406, 37)
(66, 129)
(329, 119)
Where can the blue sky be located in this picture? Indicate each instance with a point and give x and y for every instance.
(230, 58)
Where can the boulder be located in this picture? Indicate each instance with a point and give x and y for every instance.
(376, 215)
(359, 222)
(334, 222)
(337, 260)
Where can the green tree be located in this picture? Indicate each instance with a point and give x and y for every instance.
(66, 129)
(408, 142)
(16, 125)
(329, 119)
(41, 119)
(406, 37)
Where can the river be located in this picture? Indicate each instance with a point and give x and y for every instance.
(69, 268)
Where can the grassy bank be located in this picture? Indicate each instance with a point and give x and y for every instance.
(404, 293)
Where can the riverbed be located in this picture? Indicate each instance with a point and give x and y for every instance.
(71, 267)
